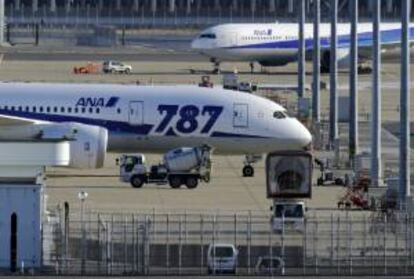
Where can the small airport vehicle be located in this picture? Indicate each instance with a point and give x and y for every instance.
(187, 165)
(221, 258)
(116, 67)
(268, 265)
(89, 68)
(288, 216)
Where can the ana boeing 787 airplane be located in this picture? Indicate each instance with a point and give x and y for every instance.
(277, 44)
(128, 118)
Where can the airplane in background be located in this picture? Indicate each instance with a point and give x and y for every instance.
(129, 118)
(277, 44)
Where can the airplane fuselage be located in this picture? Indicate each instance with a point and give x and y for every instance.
(159, 118)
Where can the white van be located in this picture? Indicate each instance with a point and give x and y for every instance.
(288, 216)
(221, 257)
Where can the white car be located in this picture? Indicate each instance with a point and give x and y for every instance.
(116, 67)
(221, 258)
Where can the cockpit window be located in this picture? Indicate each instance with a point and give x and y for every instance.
(208, 36)
(279, 115)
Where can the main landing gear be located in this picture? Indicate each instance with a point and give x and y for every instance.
(248, 170)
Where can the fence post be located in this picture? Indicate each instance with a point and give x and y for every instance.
(249, 239)
(202, 243)
(134, 245)
(304, 244)
(147, 246)
(407, 239)
(338, 245)
(168, 244)
(99, 242)
(332, 241)
(111, 244)
(385, 244)
(270, 249)
(315, 244)
(125, 245)
(235, 239)
(180, 247)
(349, 219)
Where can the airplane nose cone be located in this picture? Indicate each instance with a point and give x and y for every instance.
(301, 135)
(306, 138)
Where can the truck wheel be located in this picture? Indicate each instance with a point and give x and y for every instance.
(127, 71)
(191, 182)
(175, 182)
(137, 181)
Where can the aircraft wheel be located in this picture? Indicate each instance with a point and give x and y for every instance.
(248, 171)
(137, 181)
(191, 182)
(175, 182)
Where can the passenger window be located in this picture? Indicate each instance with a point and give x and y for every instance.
(47, 109)
(70, 110)
(76, 110)
(41, 109)
(6, 107)
(55, 109)
(83, 110)
(118, 110)
(34, 109)
(26, 109)
(90, 110)
(62, 109)
(20, 108)
(12, 108)
(98, 110)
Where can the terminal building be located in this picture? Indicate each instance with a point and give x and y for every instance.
(193, 11)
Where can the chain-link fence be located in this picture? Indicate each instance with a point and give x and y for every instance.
(344, 242)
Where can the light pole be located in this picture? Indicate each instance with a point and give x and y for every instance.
(82, 196)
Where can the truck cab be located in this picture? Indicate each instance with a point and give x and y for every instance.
(288, 216)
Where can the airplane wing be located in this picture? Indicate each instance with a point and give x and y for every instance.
(6, 120)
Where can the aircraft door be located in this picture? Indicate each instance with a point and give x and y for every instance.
(136, 113)
(240, 115)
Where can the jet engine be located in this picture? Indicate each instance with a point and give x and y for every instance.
(88, 143)
(289, 174)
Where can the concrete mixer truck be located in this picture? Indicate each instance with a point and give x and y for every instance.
(182, 166)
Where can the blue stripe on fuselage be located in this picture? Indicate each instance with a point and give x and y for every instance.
(364, 39)
(112, 126)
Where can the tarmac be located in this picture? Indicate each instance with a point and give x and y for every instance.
(228, 190)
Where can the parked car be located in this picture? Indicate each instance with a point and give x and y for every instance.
(221, 258)
(268, 265)
(116, 67)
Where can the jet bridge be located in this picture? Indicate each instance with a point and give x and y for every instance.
(22, 166)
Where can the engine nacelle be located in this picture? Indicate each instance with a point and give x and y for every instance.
(88, 143)
(88, 147)
(343, 58)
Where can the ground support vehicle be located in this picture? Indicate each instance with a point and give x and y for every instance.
(187, 165)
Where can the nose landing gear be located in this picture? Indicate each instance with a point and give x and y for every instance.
(248, 170)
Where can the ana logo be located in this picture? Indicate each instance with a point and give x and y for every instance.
(97, 102)
(267, 32)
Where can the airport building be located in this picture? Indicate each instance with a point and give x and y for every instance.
(184, 12)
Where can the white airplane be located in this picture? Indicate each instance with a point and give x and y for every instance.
(277, 44)
(130, 118)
